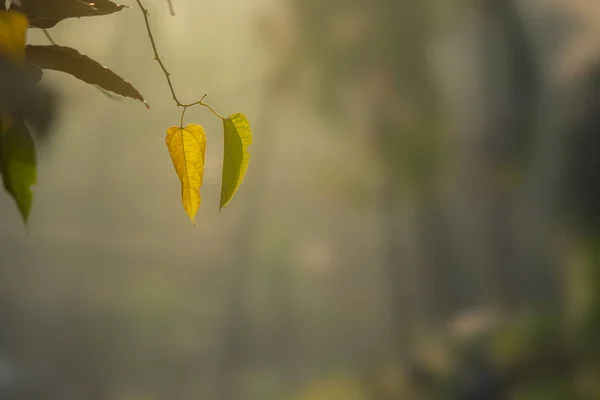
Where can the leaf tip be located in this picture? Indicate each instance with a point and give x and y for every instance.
(192, 216)
(224, 203)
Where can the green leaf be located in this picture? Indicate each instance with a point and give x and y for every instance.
(45, 14)
(18, 165)
(238, 136)
(187, 147)
(70, 61)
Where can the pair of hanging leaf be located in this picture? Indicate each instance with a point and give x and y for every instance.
(187, 147)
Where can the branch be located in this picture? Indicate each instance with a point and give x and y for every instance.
(200, 102)
(171, 9)
(156, 56)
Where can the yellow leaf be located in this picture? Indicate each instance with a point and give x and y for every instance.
(13, 33)
(13, 28)
(238, 136)
(187, 147)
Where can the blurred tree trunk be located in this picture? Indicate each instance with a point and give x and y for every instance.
(408, 135)
(282, 347)
(582, 192)
(509, 142)
(397, 273)
(441, 275)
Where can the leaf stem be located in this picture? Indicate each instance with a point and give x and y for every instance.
(203, 104)
(182, 114)
(49, 37)
(164, 69)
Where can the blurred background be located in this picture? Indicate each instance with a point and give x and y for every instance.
(418, 220)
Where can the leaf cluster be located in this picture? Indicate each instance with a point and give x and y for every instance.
(26, 104)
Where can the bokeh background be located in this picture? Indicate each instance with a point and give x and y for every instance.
(418, 220)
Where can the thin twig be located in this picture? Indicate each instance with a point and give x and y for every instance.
(202, 103)
(171, 9)
(156, 56)
(185, 106)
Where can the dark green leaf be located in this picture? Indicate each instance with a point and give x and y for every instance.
(66, 59)
(18, 165)
(23, 98)
(45, 14)
(34, 72)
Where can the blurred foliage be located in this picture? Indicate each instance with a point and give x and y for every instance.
(300, 305)
(333, 389)
(18, 170)
(30, 104)
(374, 58)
